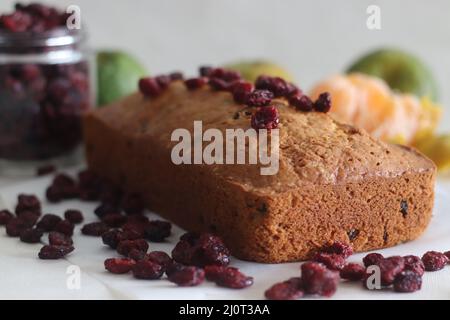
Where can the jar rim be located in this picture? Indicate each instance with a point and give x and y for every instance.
(57, 37)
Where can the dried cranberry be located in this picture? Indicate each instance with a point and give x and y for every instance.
(137, 255)
(135, 227)
(195, 83)
(114, 220)
(54, 252)
(16, 22)
(125, 246)
(147, 269)
(132, 203)
(95, 229)
(31, 235)
(65, 227)
(15, 226)
(176, 76)
(48, 222)
(62, 187)
(323, 103)
(104, 209)
(434, 260)
(5, 217)
(372, 259)
(226, 75)
(276, 85)
(233, 278)
(286, 290)
(46, 169)
(407, 281)
(90, 185)
(213, 272)
(160, 258)
(29, 218)
(353, 272)
(340, 248)
(415, 264)
(205, 71)
(173, 267)
(241, 90)
(219, 84)
(74, 216)
(317, 279)
(163, 81)
(259, 98)
(149, 87)
(119, 265)
(112, 238)
(293, 90)
(447, 253)
(330, 260)
(301, 102)
(59, 239)
(28, 203)
(265, 118)
(187, 276)
(390, 268)
(157, 230)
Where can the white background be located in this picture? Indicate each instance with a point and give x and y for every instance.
(313, 39)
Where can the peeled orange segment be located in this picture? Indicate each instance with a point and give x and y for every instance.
(343, 96)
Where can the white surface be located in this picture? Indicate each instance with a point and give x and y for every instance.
(24, 276)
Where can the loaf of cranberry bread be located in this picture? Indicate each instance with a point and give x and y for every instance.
(334, 181)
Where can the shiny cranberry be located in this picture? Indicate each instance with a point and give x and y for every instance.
(62, 187)
(59, 239)
(415, 264)
(286, 290)
(5, 217)
(353, 272)
(132, 203)
(31, 235)
(301, 102)
(265, 118)
(147, 269)
(114, 220)
(160, 258)
(105, 209)
(176, 76)
(390, 268)
(112, 238)
(95, 229)
(173, 267)
(407, 281)
(219, 84)
(323, 102)
(317, 279)
(163, 81)
(157, 230)
(149, 87)
(29, 218)
(187, 276)
(259, 98)
(65, 227)
(340, 248)
(16, 22)
(48, 222)
(331, 260)
(119, 265)
(293, 90)
(137, 255)
(241, 90)
(54, 252)
(434, 260)
(276, 85)
(135, 227)
(124, 247)
(28, 203)
(195, 83)
(372, 259)
(74, 216)
(233, 278)
(15, 226)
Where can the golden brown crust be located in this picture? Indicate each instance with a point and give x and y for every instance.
(334, 180)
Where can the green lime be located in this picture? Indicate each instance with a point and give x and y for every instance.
(250, 70)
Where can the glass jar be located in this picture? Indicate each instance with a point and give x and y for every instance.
(45, 87)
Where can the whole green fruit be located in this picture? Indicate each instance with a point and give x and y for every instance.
(250, 70)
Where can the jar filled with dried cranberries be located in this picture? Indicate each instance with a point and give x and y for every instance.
(45, 86)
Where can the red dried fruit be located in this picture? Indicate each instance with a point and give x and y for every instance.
(137, 255)
(293, 90)
(286, 290)
(176, 76)
(95, 229)
(48, 222)
(28, 203)
(447, 254)
(31, 235)
(226, 75)
(173, 267)
(5, 217)
(330, 260)
(195, 83)
(54, 252)
(276, 85)
(241, 90)
(119, 265)
(46, 169)
(205, 71)
(160, 258)
(16, 22)
(259, 98)
(125, 246)
(415, 264)
(233, 278)
(64, 186)
(323, 103)
(74, 216)
(147, 269)
(149, 87)
(372, 259)
(132, 203)
(390, 268)
(353, 272)
(64, 227)
(106, 208)
(135, 227)
(114, 220)
(219, 84)
(265, 118)
(15, 226)
(113, 237)
(434, 260)
(90, 185)
(59, 239)
(213, 272)
(301, 102)
(340, 248)
(157, 230)
(317, 279)
(187, 276)
(163, 81)
(202, 250)
(407, 281)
